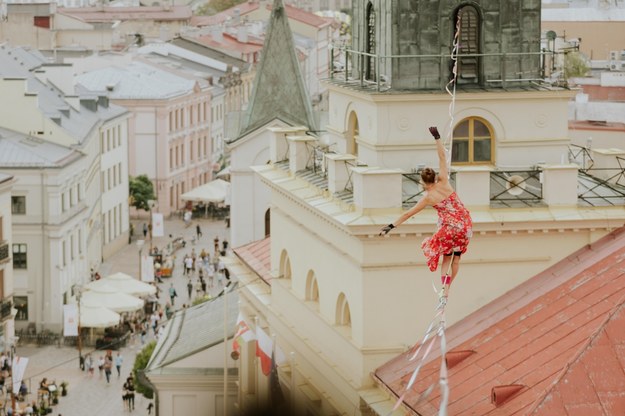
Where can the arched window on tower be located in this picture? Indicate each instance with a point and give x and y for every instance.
(267, 223)
(370, 46)
(468, 44)
(473, 142)
(343, 314)
(352, 134)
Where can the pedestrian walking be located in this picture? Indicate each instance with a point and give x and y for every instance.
(216, 242)
(198, 288)
(188, 264)
(172, 293)
(130, 393)
(145, 230)
(108, 364)
(89, 365)
(150, 407)
(190, 288)
(198, 231)
(118, 363)
(101, 365)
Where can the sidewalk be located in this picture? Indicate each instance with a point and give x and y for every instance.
(94, 396)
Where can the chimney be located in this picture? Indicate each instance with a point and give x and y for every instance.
(217, 32)
(242, 34)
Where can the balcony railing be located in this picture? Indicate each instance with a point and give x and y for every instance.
(4, 252)
(355, 59)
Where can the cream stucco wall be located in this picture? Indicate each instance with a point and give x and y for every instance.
(6, 266)
(393, 128)
(385, 280)
(249, 197)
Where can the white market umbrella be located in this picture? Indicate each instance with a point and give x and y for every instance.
(106, 296)
(214, 191)
(97, 317)
(123, 283)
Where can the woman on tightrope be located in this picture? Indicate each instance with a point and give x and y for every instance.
(454, 221)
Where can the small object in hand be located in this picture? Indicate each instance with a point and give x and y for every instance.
(386, 229)
(434, 132)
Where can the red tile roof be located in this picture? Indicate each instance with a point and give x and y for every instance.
(601, 93)
(248, 7)
(561, 335)
(303, 16)
(229, 44)
(108, 14)
(257, 257)
(221, 17)
(596, 125)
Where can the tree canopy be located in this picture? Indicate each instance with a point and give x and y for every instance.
(141, 191)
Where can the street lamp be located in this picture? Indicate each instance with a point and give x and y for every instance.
(81, 360)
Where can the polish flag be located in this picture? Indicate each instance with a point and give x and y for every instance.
(244, 333)
(264, 348)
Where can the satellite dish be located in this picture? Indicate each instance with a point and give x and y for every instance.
(515, 185)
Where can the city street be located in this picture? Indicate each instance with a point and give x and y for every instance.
(93, 396)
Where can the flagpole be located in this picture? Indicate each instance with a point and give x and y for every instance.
(292, 382)
(225, 352)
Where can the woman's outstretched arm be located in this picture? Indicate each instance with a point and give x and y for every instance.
(443, 172)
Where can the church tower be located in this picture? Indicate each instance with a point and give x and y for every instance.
(408, 44)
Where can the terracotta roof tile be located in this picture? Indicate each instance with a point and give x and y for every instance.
(257, 256)
(561, 335)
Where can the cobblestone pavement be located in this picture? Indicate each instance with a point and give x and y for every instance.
(93, 396)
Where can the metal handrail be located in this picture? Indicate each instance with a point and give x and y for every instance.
(361, 55)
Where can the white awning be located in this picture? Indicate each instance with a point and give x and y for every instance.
(214, 191)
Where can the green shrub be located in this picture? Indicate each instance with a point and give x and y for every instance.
(141, 361)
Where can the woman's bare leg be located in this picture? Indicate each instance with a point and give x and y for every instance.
(445, 271)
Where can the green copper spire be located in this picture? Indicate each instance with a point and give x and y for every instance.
(279, 91)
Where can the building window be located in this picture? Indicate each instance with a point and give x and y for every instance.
(370, 36)
(468, 44)
(21, 304)
(20, 256)
(473, 142)
(42, 21)
(18, 205)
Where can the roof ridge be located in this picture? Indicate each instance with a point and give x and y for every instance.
(620, 305)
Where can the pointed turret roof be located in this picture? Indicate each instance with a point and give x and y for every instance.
(279, 91)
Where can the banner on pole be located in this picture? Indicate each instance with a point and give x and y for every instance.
(70, 320)
(18, 370)
(158, 227)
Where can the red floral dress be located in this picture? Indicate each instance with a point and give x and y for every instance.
(454, 231)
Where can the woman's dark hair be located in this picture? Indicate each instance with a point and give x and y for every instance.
(428, 175)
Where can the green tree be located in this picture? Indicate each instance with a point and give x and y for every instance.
(575, 65)
(141, 361)
(215, 6)
(141, 191)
